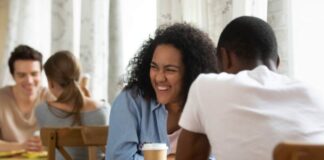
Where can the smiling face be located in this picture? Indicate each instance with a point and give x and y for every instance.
(166, 74)
(27, 77)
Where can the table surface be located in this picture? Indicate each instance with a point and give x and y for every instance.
(21, 158)
(19, 155)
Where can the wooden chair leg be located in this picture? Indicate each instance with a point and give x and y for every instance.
(91, 137)
(64, 153)
(92, 152)
(52, 145)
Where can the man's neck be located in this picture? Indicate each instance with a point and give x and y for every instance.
(23, 100)
(269, 64)
(252, 65)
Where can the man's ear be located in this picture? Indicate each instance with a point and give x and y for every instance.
(230, 62)
(226, 62)
(278, 62)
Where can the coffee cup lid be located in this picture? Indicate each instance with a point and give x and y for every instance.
(154, 146)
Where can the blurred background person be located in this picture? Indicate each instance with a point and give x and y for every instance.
(17, 119)
(72, 107)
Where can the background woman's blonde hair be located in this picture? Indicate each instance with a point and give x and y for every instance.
(64, 69)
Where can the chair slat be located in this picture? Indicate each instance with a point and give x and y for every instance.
(85, 136)
(298, 151)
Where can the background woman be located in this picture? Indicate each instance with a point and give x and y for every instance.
(149, 107)
(71, 108)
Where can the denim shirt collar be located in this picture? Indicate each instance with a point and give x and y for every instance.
(155, 105)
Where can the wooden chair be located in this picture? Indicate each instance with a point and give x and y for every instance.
(85, 136)
(298, 151)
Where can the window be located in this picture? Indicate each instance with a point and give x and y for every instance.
(138, 22)
(307, 42)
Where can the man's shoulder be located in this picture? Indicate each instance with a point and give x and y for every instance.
(45, 94)
(6, 99)
(5, 89)
(5, 93)
(213, 79)
(215, 76)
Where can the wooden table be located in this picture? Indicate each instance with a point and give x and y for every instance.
(21, 158)
(19, 155)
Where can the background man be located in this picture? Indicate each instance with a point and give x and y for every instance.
(17, 102)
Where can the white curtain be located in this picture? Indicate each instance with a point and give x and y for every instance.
(279, 17)
(52, 25)
(209, 15)
(116, 49)
(306, 31)
(104, 34)
(28, 24)
(131, 23)
(82, 27)
(94, 46)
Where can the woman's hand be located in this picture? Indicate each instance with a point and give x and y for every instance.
(84, 83)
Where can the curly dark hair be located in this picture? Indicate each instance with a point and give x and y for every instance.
(198, 56)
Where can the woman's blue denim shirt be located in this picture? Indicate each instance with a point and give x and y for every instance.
(134, 121)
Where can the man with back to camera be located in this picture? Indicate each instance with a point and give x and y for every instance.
(17, 102)
(243, 113)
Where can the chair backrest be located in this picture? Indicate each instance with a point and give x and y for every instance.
(84, 136)
(298, 151)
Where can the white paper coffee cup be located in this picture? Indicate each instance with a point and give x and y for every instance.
(155, 151)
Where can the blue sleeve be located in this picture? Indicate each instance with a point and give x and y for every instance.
(100, 118)
(124, 129)
(105, 116)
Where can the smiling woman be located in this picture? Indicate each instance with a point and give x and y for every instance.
(158, 81)
(166, 74)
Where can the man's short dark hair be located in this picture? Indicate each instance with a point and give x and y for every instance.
(24, 52)
(250, 38)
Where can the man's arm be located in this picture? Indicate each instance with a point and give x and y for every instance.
(9, 146)
(193, 146)
(32, 144)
